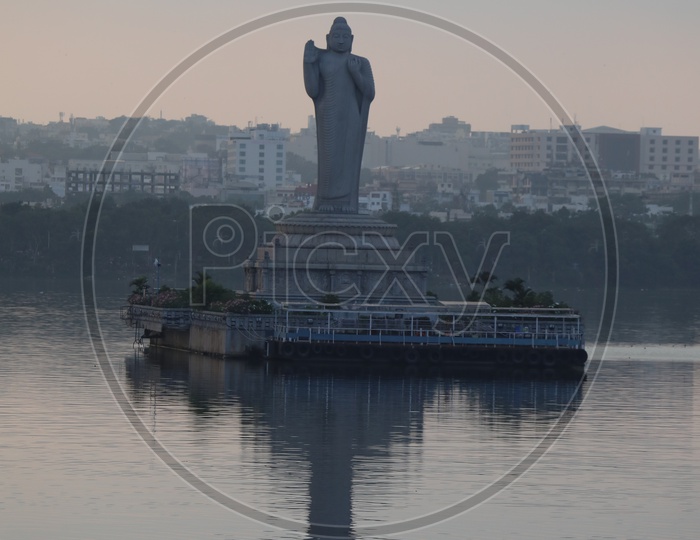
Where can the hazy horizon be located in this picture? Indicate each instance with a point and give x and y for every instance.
(627, 64)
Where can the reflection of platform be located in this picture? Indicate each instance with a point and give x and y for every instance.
(355, 257)
(329, 366)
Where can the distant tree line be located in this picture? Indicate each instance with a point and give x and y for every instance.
(547, 251)
(564, 249)
(133, 229)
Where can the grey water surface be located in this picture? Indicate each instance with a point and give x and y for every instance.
(347, 447)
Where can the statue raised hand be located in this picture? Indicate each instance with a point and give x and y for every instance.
(342, 87)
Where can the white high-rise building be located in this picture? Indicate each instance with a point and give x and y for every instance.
(258, 155)
(671, 159)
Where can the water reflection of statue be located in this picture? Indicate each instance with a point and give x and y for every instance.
(342, 87)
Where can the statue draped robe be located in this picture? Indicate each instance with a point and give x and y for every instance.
(342, 109)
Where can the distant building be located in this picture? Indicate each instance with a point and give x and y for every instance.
(420, 178)
(245, 193)
(158, 177)
(488, 150)
(200, 170)
(258, 155)
(450, 143)
(671, 159)
(615, 150)
(446, 187)
(446, 144)
(17, 174)
(379, 201)
(538, 149)
(304, 143)
(8, 129)
(57, 180)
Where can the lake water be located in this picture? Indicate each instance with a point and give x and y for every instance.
(356, 449)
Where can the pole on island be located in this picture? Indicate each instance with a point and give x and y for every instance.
(156, 263)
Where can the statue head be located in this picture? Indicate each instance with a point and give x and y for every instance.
(339, 39)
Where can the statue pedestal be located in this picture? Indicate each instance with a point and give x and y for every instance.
(352, 256)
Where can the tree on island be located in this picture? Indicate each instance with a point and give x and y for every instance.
(218, 298)
(514, 293)
(140, 285)
(206, 291)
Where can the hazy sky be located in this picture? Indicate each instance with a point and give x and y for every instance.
(623, 63)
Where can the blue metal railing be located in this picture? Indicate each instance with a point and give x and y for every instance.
(510, 327)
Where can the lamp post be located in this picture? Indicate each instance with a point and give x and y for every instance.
(156, 263)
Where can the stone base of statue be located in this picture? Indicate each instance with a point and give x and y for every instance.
(313, 257)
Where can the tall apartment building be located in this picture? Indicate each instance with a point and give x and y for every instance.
(672, 159)
(258, 155)
(533, 150)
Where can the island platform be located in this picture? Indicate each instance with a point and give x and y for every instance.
(466, 335)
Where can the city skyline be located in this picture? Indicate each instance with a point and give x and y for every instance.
(627, 65)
